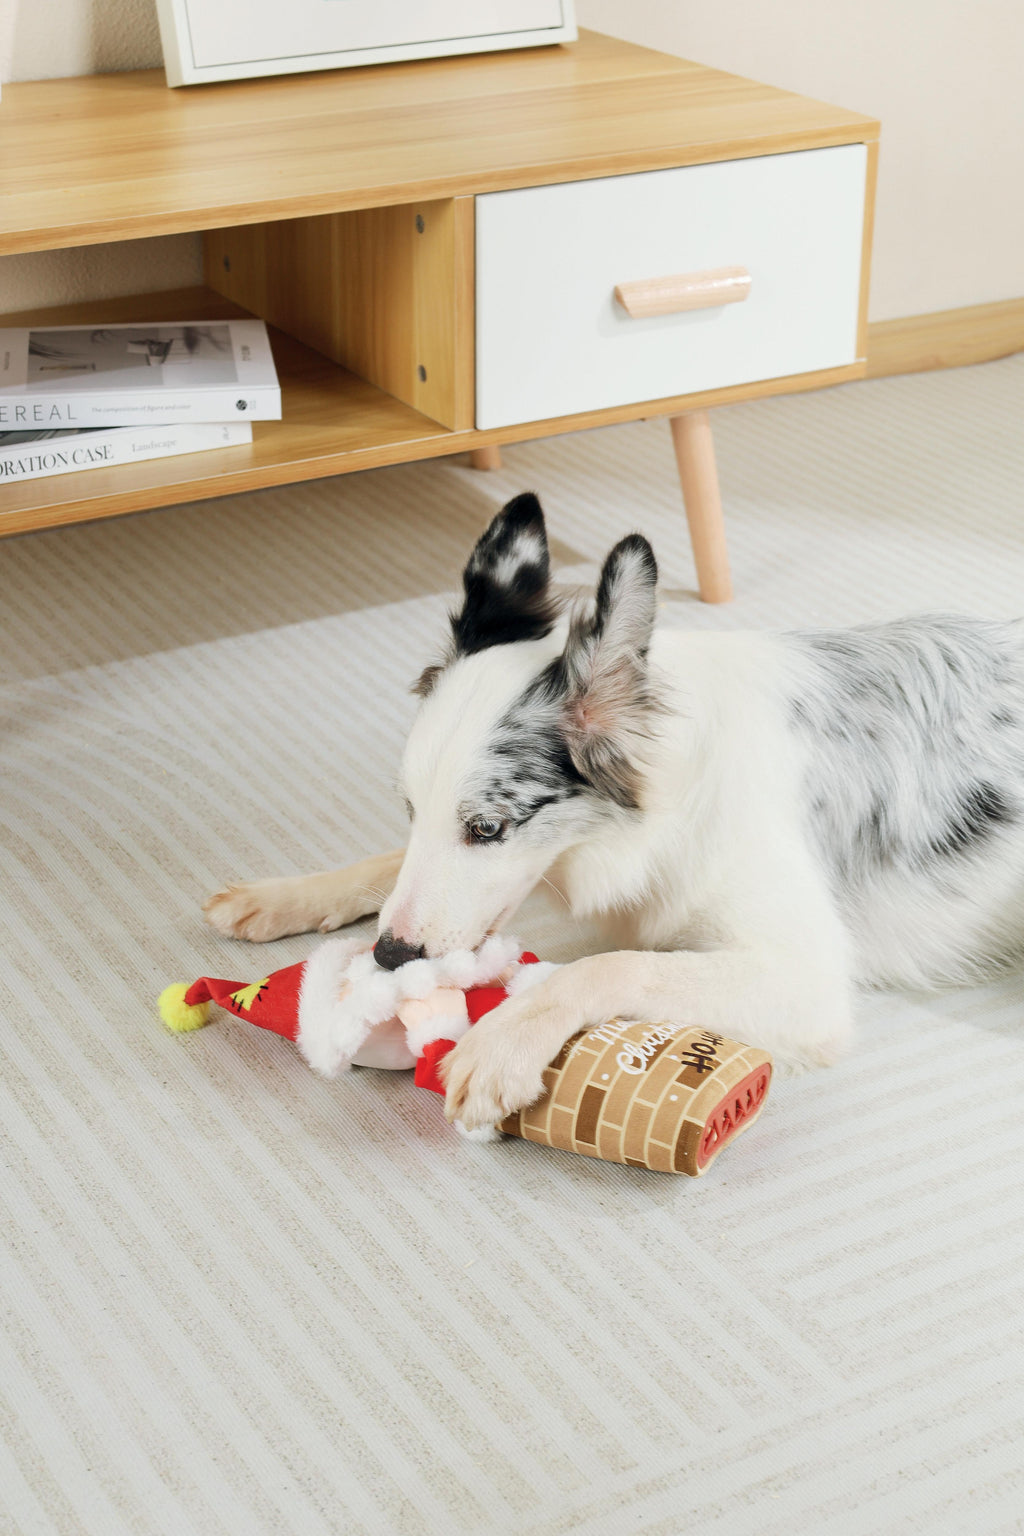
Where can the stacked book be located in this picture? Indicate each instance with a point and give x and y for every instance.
(79, 397)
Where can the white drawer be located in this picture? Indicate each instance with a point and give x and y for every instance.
(551, 338)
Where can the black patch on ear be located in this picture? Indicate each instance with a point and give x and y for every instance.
(507, 582)
(634, 555)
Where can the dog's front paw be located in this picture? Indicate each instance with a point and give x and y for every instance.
(261, 910)
(496, 1069)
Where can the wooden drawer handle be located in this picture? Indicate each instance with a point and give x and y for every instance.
(688, 290)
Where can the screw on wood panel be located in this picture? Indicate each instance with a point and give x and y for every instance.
(420, 226)
(422, 373)
(227, 263)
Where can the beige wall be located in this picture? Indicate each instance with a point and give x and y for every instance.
(944, 76)
(946, 79)
(43, 38)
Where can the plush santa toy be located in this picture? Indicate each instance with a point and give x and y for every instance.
(343, 1010)
(664, 1096)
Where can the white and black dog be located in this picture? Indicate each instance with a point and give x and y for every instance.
(764, 820)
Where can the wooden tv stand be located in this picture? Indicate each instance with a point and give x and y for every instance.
(455, 254)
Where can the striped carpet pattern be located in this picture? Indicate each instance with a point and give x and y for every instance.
(240, 1301)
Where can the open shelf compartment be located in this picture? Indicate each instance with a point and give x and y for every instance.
(333, 422)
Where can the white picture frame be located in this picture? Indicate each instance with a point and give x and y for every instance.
(239, 39)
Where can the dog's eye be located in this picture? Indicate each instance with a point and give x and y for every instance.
(484, 830)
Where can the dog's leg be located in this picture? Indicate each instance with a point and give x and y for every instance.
(269, 909)
(798, 1007)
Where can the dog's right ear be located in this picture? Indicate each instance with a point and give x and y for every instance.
(602, 676)
(507, 582)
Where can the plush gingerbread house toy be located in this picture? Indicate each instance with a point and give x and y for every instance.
(654, 1095)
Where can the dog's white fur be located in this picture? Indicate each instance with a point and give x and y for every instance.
(770, 825)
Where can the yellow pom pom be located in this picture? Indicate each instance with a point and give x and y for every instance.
(178, 1015)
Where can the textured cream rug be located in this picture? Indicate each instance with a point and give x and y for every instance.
(238, 1300)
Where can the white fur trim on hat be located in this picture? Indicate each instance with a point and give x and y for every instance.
(330, 1031)
(440, 1026)
(527, 976)
(418, 978)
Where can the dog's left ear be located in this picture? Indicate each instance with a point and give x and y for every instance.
(608, 699)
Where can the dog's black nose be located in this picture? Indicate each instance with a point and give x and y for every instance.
(390, 952)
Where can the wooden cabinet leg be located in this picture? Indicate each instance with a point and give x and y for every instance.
(698, 475)
(485, 458)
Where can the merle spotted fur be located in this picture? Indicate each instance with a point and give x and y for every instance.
(918, 735)
(760, 820)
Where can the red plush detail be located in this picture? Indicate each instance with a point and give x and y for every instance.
(479, 1000)
(272, 1003)
(208, 989)
(426, 1065)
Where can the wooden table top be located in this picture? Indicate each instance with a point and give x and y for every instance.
(115, 157)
